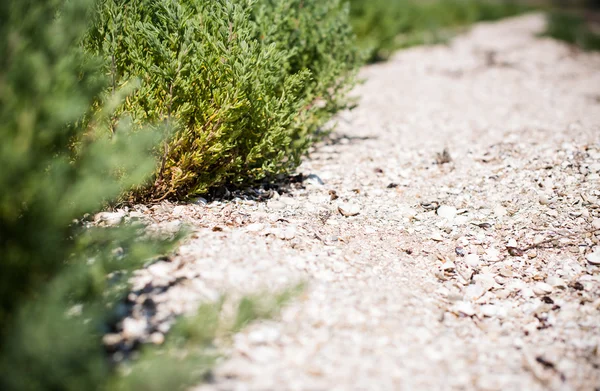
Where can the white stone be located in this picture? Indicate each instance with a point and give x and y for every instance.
(436, 236)
(527, 292)
(594, 167)
(160, 269)
(486, 280)
(447, 266)
(263, 354)
(109, 218)
(447, 212)
(408, 212)
(275, 204)
(200, 201)
(556, 282)
(463, 308)
(288, 201)
(542, 288)
(263, 335)
(313, 179)
(255, 227)
(492, 255)
(500, 211)
(172, 226)
(489, 310)
(593, 258)
(474, 292)
(287, 233)
(157, 338)
(133, 328)
(178, 210)
(348, 209)
(472, 260)
(466, 272)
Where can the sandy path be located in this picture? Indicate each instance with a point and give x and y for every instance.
(401, 297)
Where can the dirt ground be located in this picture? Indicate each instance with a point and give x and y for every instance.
(448, 232)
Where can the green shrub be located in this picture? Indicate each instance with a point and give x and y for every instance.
(383, 26)
(572, 28)
(246, 85)
(47, 87)
(63, 154)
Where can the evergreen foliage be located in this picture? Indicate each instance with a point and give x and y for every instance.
(47, 86)
(65, 152)
(246, 85)
(383, 26)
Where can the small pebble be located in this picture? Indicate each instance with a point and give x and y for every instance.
(486, 280)
(133, 328)
(594, 167)
(348, 209)
(556, 282)
(474, 292)
(274, 204)
(437, 237)
(179, 210)
(489, 310)
(472, 260)
(255, 227)
(542, 288)
(593, 258)
(161, 269)
(199, 201)
(313, 179)
(500, 211)
(492, 255)
(109, 218)
(447, 212)
(463, 308)
(157, 338)
(465, 272)
(287, 233)
(111, 340)
(527, 293)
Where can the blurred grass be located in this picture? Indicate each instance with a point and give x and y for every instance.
(189, 351)
(581, 28)
(383, 26)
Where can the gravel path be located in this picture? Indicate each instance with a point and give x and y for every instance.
(470, 269)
